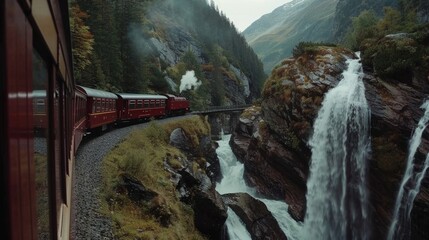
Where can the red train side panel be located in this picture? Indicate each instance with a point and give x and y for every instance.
(176, 105)
(140, 106)
(100, 108)
(16, 165)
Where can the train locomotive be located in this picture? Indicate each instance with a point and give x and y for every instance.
(45, 117)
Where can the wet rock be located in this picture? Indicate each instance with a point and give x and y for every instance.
(134, 189)
(210, 213)
(196, 189)
(208, 148)
(258, 220)
(274, 147)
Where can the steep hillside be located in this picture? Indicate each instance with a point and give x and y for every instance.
(274, 35)
(347, 9)
(146, 46)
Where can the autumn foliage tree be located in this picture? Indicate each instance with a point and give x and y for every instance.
(82, 40)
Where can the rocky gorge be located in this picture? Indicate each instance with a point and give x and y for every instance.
(272, 139)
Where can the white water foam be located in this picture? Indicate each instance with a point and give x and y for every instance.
(233, 182)
(410, 185)
(337, 198)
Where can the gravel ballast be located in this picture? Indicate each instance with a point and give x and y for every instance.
(88, 221)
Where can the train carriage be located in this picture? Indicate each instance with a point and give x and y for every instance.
(45, 117)
(36, 170)
(176, 105)
(140, 106)
(100, 108)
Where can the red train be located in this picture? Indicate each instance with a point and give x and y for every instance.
(45, 116)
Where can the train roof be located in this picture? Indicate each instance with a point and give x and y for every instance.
(140, 96)
(175, 97)
(98, 93)
(39, 93)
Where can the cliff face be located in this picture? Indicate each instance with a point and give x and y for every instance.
(272, 142)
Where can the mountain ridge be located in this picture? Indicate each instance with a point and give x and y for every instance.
(299, 20)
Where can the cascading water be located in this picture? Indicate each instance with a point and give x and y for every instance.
(337, 199)
(410, 186)
(233, 182)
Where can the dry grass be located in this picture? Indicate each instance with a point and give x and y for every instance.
(142, 155)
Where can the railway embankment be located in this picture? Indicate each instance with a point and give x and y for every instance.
(89, 220)
(148, 180)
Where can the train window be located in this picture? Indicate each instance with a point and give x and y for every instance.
(146, 104)
(139, 104)
(158, 104)
(152, 104)
(162, 103)
(40, 121)
(132, 104)
(98, 105)
(39, 106)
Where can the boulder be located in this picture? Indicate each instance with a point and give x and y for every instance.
(197, 190)
(134, 189)
(258, 220)
(210, 213)
(179, 140)
(208, 148)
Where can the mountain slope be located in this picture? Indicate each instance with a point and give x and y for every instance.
(148, 46)
(347, 9)
(274, 35)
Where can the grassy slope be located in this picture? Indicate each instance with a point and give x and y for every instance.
(142, 155)
(314, 23)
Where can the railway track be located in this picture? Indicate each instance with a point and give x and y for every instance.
(87, 220)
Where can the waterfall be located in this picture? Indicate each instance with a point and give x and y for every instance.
(233, 182)
(337, 199)
(410, 185)
(236, 228)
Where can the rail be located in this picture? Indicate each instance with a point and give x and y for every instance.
(221, 109)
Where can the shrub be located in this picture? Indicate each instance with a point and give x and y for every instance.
(395, 58)
(309, 48)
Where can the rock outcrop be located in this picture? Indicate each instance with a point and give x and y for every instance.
(272, 142)
(194, 184)
(258, 220)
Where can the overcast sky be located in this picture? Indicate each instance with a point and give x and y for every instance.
(244, 12)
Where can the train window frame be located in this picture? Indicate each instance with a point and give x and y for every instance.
(98, 105)
(131, 104)
(139, 104)
(49, 133)
(39, 106)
